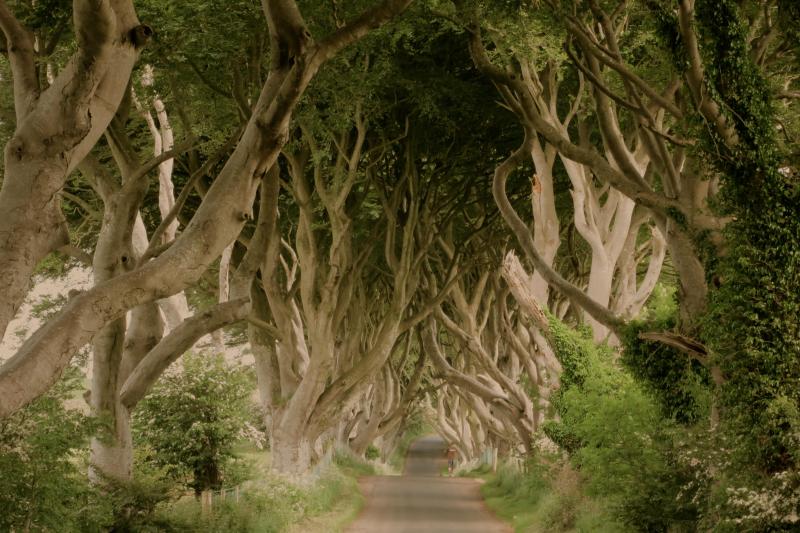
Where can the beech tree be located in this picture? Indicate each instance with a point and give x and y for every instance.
(296, 58)
(336, 321)
(56, 126)
(417, 218)
(603, 213)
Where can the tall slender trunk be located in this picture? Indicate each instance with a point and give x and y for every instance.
(692, 285)
(111, 450)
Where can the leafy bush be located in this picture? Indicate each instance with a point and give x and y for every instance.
(272, 505)
(43, 485)
(193, 417)
(372, 453)
(626, 455)
(132, 506)
(547, 497)
(617, 437)
(680, 384)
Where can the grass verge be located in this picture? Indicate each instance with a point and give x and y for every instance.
(545, 499)
(271, 504)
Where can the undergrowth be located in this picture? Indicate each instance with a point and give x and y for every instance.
(546, 499)
(276, 505)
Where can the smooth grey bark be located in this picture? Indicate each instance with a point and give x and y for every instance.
(56, 127)
(327, 350)
(506, 406)
(618, 166)
(218, 221)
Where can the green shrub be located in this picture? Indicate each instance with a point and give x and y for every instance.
(617, 437)
(372, 453)
(192, 419)
(132, 505)
(680, 384)
(625, 456)
(43, 482)
(352, 465)
(548, 497)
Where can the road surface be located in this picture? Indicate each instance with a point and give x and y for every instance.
(422, 501)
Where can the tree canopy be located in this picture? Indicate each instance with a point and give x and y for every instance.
(525, 221)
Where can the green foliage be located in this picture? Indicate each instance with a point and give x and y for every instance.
(192, 419)
(372, 453)
(580, 359)
(752, 325)
(679, 383)
(616, 436)
(43, 484)
(625, 456)
(206, 55)
(547, 497)
(45, 487)
(133, 506)
(272, 505)
(54, 265)
(47, 306)
(352, 465)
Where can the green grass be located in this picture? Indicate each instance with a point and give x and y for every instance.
(271, 504)
(342, 510)
(259, 459)
(546, 499)
(351, 465)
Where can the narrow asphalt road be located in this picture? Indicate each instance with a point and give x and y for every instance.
(422, 500)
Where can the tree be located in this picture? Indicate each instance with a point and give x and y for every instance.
(43, 486)
(56, 126)
(193, 417)
(296, 58)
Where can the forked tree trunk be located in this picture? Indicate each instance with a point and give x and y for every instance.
(546, 225)
(221, 216)
(54, 132)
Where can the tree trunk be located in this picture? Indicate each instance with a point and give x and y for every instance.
(221, 216)
(54, 132)
(111, 451)
(291, 449)
(692, 288)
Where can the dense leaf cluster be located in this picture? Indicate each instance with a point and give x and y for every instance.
(43, 483)
(617, 437)
(753, 327)
(193, 418)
